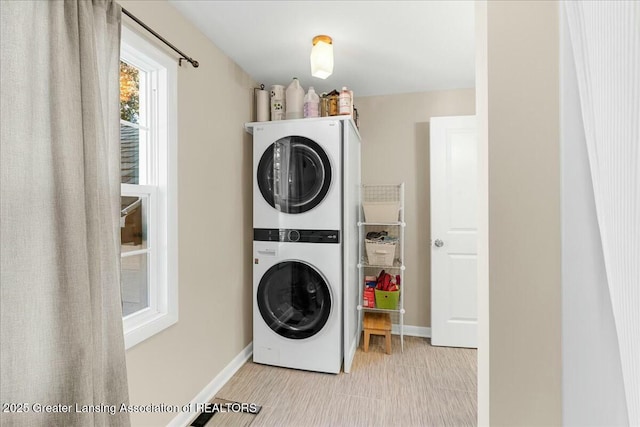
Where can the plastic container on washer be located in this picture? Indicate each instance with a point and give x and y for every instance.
(311, 104)
(344, 102)
(294, 100)
(277, 102)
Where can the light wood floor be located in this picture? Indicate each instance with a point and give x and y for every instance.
(424, 386)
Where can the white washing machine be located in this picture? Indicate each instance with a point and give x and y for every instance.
(297, 179)
(297, 290)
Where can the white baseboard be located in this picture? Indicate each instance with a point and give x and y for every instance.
(210, 390)
(412, 331)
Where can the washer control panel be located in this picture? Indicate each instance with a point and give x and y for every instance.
(295, 236)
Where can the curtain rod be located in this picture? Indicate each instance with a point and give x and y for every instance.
(185, 57)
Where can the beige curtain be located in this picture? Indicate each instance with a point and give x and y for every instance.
(60, 310)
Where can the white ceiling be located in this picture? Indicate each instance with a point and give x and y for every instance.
(380, 47)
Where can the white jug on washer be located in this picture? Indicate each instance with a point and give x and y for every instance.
(294, 100)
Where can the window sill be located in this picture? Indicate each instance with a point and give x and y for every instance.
(144, 324)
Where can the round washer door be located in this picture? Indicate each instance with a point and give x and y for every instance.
(294, 299)
(294, 174)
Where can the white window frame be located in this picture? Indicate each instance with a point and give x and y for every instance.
(160, 186)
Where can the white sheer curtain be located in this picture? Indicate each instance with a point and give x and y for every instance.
(60, 311)
(605, 37)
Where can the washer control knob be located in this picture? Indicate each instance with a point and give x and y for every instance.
(294, 235)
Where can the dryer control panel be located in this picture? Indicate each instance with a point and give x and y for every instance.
(295, 236)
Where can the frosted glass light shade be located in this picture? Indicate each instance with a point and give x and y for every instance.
(322, 57)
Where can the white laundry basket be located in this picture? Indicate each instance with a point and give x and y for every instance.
(380, 253)
(381, 211)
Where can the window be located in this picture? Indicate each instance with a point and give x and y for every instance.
(148, 216)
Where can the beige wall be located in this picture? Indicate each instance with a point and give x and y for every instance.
(214, 166)
(395, 148)
(215, 315)
(524, 213)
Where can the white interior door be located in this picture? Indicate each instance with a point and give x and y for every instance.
(454, 317)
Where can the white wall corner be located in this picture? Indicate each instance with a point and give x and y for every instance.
(482, 114)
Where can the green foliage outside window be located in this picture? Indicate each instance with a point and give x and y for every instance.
(129, 93)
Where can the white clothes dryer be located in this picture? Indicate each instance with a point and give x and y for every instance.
(297, 307)
(297, 174)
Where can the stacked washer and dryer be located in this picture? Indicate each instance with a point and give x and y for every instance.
(306, 178)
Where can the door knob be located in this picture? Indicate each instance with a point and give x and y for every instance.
(439, 243)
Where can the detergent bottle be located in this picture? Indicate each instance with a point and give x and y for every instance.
(294, 100)
(311, 104)
(344, 101)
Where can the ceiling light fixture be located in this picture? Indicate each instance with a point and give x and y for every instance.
(322, 57)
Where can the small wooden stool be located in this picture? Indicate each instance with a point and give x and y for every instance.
(377, 324)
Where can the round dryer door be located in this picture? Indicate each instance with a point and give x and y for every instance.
(294, 300)
(294, 174)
